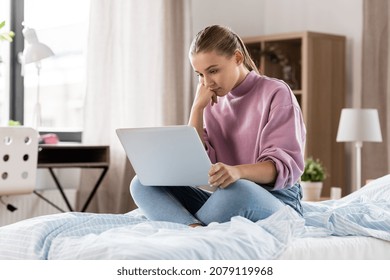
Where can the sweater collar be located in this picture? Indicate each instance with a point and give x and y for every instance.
(245, 85)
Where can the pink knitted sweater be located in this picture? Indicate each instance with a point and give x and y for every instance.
(259, 120)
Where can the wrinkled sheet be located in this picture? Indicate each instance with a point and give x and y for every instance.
(131, 236)
(105, 236)
(363, 213)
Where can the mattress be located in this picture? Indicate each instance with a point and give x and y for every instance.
(337, 248)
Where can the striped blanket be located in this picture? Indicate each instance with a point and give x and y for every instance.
(131, 236)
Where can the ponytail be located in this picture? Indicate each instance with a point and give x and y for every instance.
(222, 40)
(248, 61)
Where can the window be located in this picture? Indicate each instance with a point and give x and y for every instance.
(63, 26)
(4, 63)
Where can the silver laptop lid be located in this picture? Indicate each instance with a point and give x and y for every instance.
(166, 156)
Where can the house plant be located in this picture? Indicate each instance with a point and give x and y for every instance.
(312, 179)
(6, 36)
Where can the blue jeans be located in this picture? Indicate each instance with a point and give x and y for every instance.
(189, 205)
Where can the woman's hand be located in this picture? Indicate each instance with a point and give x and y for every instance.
(204, 96)
(222, 175)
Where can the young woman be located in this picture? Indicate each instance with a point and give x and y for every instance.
(254, 134)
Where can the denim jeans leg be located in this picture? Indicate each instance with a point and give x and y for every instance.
(291, 196)
(172, 204)
(242, 198)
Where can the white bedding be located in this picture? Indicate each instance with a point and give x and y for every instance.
(337, 248)
(130, 236)
(357, 225)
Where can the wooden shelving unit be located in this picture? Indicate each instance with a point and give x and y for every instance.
(313, 64)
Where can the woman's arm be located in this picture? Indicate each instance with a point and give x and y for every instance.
(196, 120)
(222, 175)
(203, 97)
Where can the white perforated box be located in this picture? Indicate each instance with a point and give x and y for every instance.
(18, 160)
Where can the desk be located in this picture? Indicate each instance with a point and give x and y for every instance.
(73, 156)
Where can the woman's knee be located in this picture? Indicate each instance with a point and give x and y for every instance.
(139, 191)
(136, 188)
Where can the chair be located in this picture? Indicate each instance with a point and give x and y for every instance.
(18, 160)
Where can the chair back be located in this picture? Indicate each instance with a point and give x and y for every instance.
(18, 160)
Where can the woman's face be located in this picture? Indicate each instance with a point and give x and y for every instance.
(219, 73)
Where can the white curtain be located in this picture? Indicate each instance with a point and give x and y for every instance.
(138, 74)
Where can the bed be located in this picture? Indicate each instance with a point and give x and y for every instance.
(354, 227)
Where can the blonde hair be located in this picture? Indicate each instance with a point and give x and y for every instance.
(223, 41)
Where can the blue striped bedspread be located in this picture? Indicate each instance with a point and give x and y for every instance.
(131, 236)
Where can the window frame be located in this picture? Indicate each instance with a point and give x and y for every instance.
(16, 83)
(16, 109)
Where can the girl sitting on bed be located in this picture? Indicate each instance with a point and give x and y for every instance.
(253, 131)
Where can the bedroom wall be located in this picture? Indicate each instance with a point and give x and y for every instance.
(260, 17)
(244, 16)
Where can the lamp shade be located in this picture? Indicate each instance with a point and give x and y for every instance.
(34, 51)
(359, 125)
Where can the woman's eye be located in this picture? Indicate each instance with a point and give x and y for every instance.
(213, 71)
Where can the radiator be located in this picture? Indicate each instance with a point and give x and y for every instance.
(31, 205)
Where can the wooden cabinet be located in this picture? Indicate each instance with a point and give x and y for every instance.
(313, 64)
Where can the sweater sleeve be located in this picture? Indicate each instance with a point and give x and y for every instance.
(282, 141)
(209, 148)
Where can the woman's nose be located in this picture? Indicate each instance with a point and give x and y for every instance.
(207, 81)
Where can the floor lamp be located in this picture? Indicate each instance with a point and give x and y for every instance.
(34, 52)
(358, 126)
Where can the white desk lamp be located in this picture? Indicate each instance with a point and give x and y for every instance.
(34, 52)
(359, 125)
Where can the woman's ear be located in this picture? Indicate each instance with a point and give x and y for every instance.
(239, 57)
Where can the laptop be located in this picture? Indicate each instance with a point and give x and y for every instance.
(166, 156)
